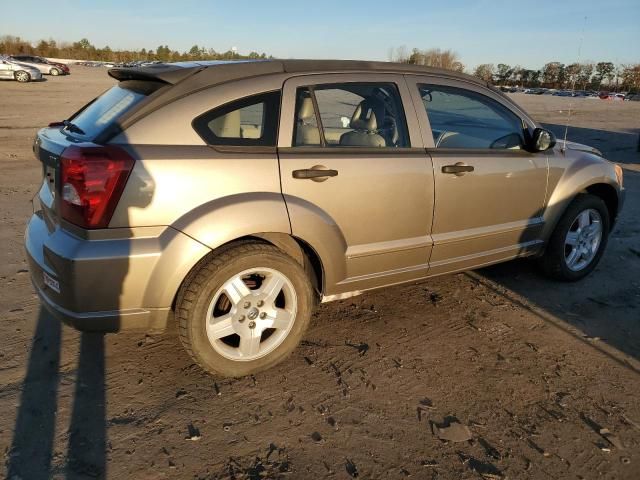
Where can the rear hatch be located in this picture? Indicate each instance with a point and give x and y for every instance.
(81, 173)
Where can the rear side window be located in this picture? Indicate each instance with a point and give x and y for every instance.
(250, 121)
(111, 105)
(350, 115)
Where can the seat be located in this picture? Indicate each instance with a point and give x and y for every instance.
(364, 123)
(226, 126)
(306, 133)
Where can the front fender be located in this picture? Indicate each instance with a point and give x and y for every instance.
(572, 172)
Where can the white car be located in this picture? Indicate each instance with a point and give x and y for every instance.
(12, 70)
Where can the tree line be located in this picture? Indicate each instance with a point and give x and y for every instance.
(583, 76)
(84, 50)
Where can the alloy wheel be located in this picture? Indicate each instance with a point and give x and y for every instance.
(251, 314)
(583, 240)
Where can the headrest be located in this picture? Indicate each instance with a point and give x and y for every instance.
(305, 111)
(367, 115)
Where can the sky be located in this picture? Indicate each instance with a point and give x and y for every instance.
(527, 33)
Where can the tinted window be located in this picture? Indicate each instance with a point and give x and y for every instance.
(111, 105)
(251, 121)
(461, 118)
(351, 115)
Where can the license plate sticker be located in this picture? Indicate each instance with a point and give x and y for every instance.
(50, 282)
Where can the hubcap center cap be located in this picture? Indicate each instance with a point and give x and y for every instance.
(253, 313)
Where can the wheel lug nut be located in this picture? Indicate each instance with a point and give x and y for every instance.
(241, 318)
(252, 324)
(263, 315)
(247, 304)
(260, 303)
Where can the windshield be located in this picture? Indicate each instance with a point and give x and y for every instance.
(106, 109)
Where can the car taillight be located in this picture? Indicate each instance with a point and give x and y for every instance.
(92, 181)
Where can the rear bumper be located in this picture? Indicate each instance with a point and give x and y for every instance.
(149, 320)
(109, 284)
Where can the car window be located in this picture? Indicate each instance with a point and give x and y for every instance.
(250, 121)
(111, 105)
(462, 118)
(350, 115)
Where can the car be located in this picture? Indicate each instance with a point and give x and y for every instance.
(12, 70)
(232, 197)
(45, 66)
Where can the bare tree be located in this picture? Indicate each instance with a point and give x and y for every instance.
(484, 72)
(503, 73)
(586, 72)
(398, 54)
(552, 73)
(435, 57)
(631, 77)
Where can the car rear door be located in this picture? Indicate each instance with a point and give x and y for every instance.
(489, 191)
(369, 218)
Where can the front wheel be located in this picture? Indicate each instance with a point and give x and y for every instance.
(22, 76)
(55, 72)
(579, 240)
(244, 309)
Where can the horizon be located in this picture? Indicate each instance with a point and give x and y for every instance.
(551, 33)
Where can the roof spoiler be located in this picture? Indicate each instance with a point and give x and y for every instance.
(161, 72)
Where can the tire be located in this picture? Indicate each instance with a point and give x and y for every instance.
(54, 71)
(224, 324)
(560, 260)
(22, 76)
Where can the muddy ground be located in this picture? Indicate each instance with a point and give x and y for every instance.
(534, 368)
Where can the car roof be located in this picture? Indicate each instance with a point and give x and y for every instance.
(208, 73)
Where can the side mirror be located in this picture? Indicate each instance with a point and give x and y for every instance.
(542, 140)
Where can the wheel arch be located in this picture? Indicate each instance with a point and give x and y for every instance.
(296, 248)
(609, 196)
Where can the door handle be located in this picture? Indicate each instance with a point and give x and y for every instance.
(317, 173)
(458, 169)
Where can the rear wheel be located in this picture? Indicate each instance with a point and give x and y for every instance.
(22, 76)
(579, 240)
(55, 72)
(244, 310)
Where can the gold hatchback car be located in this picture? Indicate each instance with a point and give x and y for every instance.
(234, 196)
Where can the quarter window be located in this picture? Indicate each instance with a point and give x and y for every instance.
(462, 118)
(350, 115)
(251, 121)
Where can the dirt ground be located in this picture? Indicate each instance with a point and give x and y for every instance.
(535, 369)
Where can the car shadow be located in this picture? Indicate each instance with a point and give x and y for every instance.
(34, 442)
(603, 306)
(32, 448)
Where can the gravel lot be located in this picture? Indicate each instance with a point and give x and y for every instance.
(535, 369)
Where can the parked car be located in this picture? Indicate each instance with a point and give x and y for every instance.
(45, 66)
(20, 72)
(235, 196)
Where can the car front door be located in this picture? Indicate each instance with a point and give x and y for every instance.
(356, 181)
(489, 190)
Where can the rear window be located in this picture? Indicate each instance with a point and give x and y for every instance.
(111, 105)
